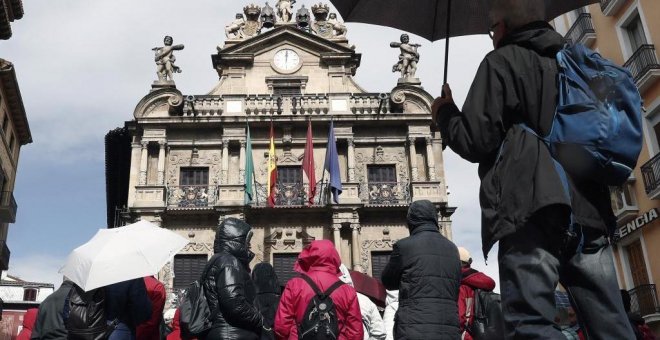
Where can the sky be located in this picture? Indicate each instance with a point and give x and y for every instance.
(82, 67)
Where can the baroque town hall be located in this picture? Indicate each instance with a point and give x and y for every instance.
(181, 161)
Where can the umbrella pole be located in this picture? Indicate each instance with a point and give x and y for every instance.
(447, 42)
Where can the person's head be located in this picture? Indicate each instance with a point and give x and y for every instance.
(265, 278)
(507, 15)
(233, 236)
(168, 40)
(405, 38)
(422, 214)
(464, 255)
(320, 255)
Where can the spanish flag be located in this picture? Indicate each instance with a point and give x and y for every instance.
(272, 169)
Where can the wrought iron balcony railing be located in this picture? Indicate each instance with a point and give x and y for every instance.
(582, 28)
(642, 61)
(651, 175)
(8, 207)
(191, 196)
(644, 300)
(383, 193)
(290, 194)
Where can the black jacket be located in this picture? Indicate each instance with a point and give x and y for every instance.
(50, 324)
(516, 83)
(228, 287)
(426, 270)
(268, 294)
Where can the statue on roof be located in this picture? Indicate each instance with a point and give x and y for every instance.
(408, 57)
(303, 18)
(252, 25)
(321, 26)
(234, 30)
(165, 59)
(285, 10)
(338, 27)
(267, 16)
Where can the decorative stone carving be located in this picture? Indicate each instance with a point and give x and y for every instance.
(180, 158)
(197, 247)
(408, 59)
(303, 18)
(381, 157)
(370, 245)
(267, 16)
(285, 10)
(165, 59)
(338, 27)
(288, 239)
(252, 24)
(234, 30)
(160, 102)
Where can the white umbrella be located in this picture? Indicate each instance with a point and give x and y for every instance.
(115, 255)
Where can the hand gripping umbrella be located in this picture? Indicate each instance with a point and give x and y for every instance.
(119, 254)
(436, 19)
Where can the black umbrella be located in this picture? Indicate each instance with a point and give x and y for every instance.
(436, 19)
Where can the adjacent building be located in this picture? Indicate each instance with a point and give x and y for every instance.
(19, 296)
(181, 162)
(625, 31)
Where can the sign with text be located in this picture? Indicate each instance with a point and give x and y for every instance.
(638, 223)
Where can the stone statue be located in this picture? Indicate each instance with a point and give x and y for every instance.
(408, 58)
(303, 18)
(338, 27)
(234, 30)
(165, 59)
(285, 10)
(252, 25)
(321, 26)
(267, 16)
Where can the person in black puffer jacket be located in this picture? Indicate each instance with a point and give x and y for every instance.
(228, 287)
(268, 293)
(426, 269)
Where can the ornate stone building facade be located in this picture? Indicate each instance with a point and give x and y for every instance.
(186, 166)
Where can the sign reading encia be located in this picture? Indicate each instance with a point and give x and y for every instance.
(638, 222)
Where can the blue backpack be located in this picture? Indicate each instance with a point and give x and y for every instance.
(597, 129)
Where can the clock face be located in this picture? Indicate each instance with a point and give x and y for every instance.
(286, 60)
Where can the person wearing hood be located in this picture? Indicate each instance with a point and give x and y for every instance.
(29, 319)
(372, 322)
(320, 262)
(523, 200)
(426, 270)
(268, 293)
(471, 279)
(228, 287)
(391, 306)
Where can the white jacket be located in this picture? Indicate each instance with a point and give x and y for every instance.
(372, 323)
(391, 305)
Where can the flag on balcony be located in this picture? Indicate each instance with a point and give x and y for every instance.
(308, 164)
(272, 168)
(332, 164)
(249, 169)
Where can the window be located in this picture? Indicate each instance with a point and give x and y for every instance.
(289, 174)
(286, 91)
(188, 268)
(379, 260)
(637, 263)
(623, 197)
(194, 176)
(635, 32)
(30, 294)
(283, 265)
(382, 174)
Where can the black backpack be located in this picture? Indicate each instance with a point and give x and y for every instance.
(84, 315)
(320, 319)
(488, 322)
(195, 317)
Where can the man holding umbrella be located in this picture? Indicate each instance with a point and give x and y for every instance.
(524, 205)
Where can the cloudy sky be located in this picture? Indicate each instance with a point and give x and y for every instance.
(84, 65)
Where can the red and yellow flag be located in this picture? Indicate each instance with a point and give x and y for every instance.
(272, 169)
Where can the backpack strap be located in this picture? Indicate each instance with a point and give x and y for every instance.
(316, 288)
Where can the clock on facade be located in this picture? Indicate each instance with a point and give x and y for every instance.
(286, 60)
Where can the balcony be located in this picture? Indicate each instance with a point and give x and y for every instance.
(610, 7)
(290, 195)
(4, 255)
(8, 207)
(644, 300)
(386, 193)
(191, 196)
(149, 196)
(644, 66)
(651, 176)
(582, 31)
(623, 202)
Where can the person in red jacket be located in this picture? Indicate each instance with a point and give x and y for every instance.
(320, 261)
(29, 318)
(150, 329)
(471, 280)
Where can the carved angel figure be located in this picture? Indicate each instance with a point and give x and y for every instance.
(234, 30)
(338, 26)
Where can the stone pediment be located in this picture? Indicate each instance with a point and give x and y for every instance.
(160, 103)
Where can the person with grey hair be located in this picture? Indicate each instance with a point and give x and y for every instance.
(524, 204)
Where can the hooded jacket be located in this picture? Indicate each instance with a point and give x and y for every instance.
(320, 261)
(517, 83)
(50, 324)
(29, 318)
(471, 280)
(426, 270)
(228, 287)
(268, 292)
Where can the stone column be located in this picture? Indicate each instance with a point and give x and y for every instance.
(356, 246)
(241, 163)
(143, 163)
(336, 235)
(225, 160)
(413, 158)
(430, 159)
(161, 163)
(351, 160)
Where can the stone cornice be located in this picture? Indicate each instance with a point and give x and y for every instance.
(15, 102)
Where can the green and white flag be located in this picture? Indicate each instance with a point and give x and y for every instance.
(249, 169)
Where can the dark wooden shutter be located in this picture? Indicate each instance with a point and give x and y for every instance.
(382, 174)
(194, 176)
(283, 265)
(188, 268)
(379, 260)
(289, 174)
(637, 264)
